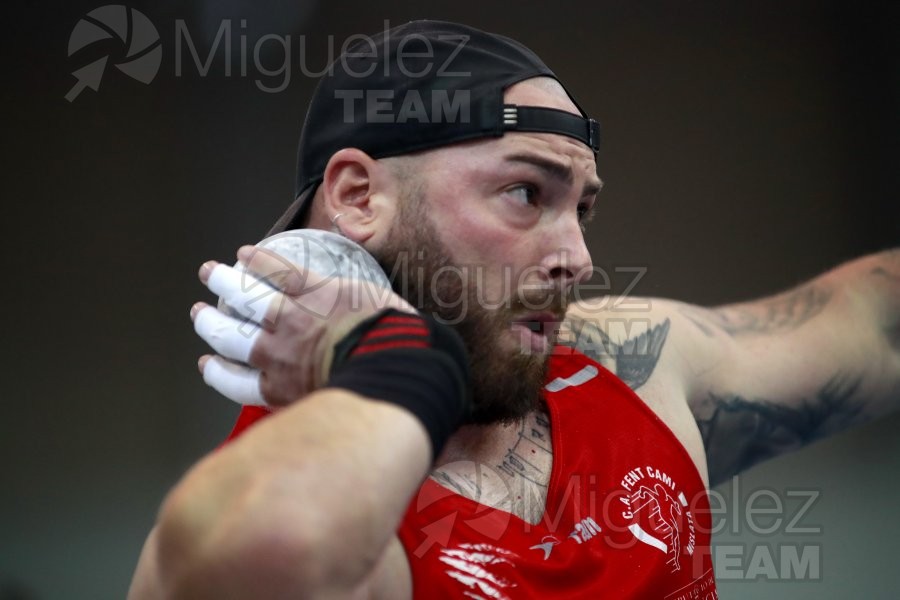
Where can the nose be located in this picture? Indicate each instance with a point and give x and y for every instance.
(569, 261)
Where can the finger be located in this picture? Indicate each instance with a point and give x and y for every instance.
(281, 271)
(251, 297)
(205, 269)
(230, 337)
(197, 307)
(234, 381)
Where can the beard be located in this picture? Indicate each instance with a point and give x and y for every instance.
(506, 382)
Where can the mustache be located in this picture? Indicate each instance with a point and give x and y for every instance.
(550, 299)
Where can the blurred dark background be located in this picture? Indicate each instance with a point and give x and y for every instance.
(746, 146)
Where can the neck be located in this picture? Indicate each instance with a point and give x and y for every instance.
(486, 444)
(504, 466)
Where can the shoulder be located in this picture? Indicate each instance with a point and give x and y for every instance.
(760, 377)
(642, 340)
(654, 348)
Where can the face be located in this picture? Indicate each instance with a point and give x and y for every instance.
(489, 239)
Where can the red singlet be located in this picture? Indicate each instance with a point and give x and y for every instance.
(627, 514)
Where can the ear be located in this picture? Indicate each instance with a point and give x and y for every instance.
(357, 187)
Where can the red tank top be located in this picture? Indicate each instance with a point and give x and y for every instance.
(627, 514)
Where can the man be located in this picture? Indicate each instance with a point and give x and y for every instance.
(528, 450)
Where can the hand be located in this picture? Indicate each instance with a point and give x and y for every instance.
(283, 350)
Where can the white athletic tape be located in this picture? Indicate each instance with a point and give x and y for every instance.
(230, 337)
(249, 296)
(236, 382)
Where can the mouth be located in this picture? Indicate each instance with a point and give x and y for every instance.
(536, 331)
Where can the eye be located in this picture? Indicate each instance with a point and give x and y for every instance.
(585, 212)
(524, 194)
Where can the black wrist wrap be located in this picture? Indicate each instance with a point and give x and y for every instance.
(411, 361)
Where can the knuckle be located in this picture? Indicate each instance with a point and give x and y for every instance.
(260, 352)
(272, 389)
(295, 282)
(266, 390)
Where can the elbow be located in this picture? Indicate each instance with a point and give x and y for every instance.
(254, 546)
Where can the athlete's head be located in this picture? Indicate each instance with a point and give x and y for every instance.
(467, 170)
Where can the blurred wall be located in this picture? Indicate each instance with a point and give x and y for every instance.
(747, 146)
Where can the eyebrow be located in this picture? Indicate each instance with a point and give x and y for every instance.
(556, 170)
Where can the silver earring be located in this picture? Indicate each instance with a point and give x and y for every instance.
(334, 225)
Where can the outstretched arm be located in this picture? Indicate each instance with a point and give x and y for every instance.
(762, 377)
(798, 366)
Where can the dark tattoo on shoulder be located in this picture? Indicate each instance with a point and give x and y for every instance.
(531, 449)
(738, 433)
(781, 313)
(633, 360)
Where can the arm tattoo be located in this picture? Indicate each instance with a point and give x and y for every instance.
(778, 314)
(740, 433)
(633, 361)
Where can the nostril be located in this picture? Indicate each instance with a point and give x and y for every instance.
(557, 273)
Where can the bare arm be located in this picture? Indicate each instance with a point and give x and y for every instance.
(305, 504)
(799, 366)
(768, 376)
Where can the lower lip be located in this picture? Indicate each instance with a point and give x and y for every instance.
(530, 341)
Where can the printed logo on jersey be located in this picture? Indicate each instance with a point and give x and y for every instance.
(584, 530)
(548, 542)
(580, 377)
(657, 513)
(474, 567)
(484, 521)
